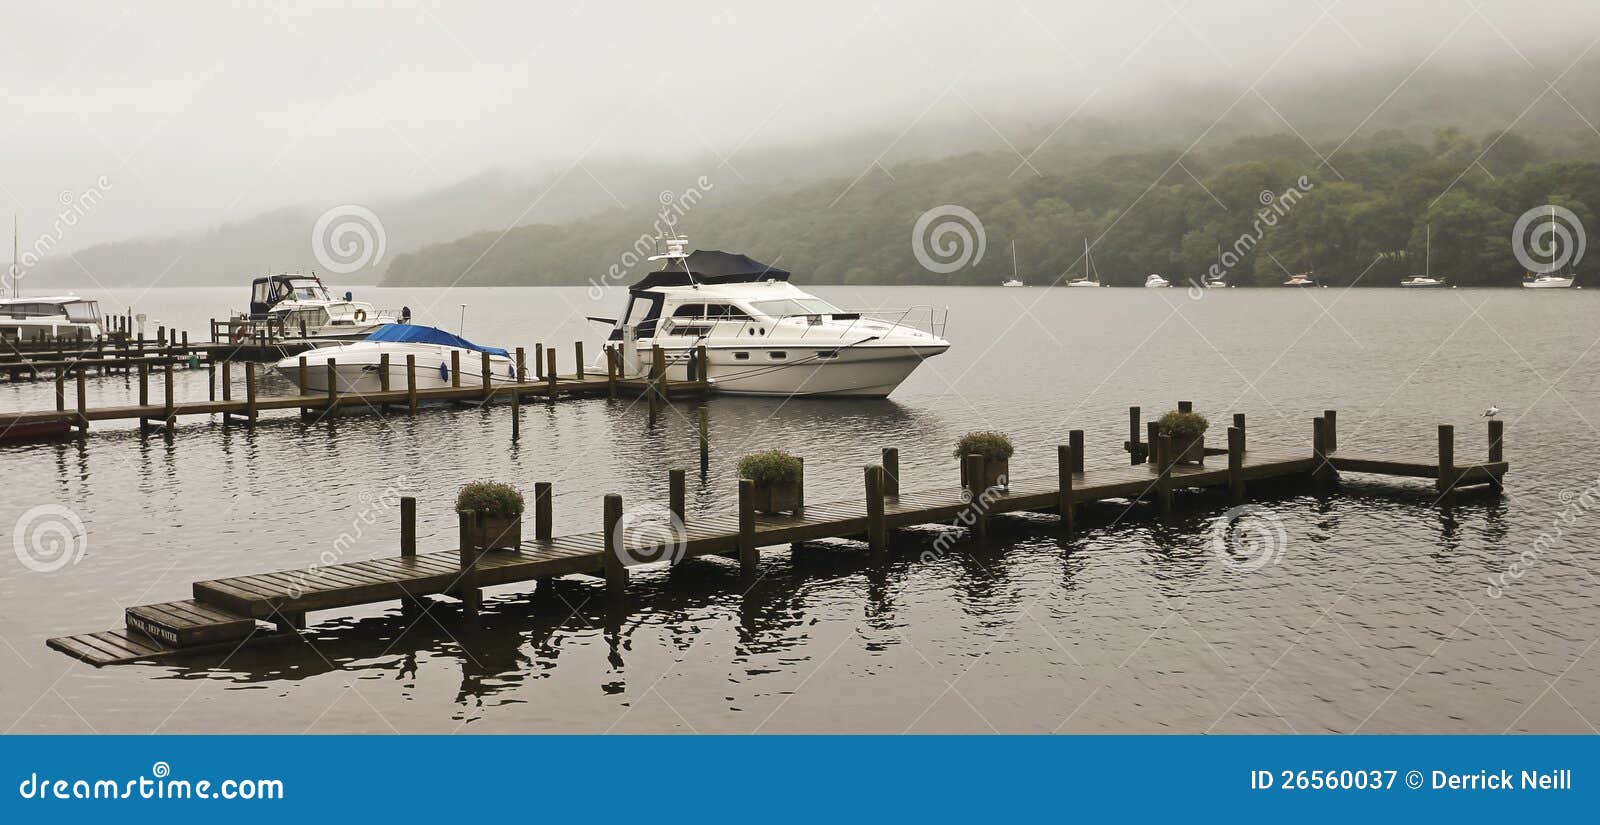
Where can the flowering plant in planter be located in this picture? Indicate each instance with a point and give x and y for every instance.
(1188, 432)
(778, 478)
(497, 513)
(996, 450)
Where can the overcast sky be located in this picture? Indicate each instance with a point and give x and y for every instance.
(196, 113)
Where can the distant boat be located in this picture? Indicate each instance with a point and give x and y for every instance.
(1013, 280)
(1219, 282)
(1154, 281)
(1426, 279)
(1302, 279)
(1090, 278)
(1547, 281)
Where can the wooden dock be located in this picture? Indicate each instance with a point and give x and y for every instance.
(224, 613)
(467, 388)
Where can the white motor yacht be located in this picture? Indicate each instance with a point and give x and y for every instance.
(1547, 280)
(1013, 282)
(1216, 283)
(1301, 279)
(358, 367)
(301, 306)
(763, 335)
(55, 316)
(1154, 281)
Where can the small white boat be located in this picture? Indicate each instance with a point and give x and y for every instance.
(1012, 282)
(1216, 283)
(1302, 279)
(55, 316)
(1154, 281)
(301, 306)
(1547, 281)
(763, 335)
(1090, 278)
(1423, 282)
(358, 367)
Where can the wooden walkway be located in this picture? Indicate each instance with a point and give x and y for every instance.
(223, 612)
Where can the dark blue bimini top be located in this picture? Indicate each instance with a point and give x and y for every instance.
(418, 334)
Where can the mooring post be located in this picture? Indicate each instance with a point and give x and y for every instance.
(612, 368)
(1163, 459)
(675, 492)
(522, 365)
(1330, 430)
(1236, 465)
(543, 511)
(1319, 450)
(305, 376)
(144, 384)
(83, 402)
(1134, 455)
(1185, 406)
(877, 527)
(616, 571)
(1075, 440)
(577, 357)
(538, 360)
(1152, 431)
(1066, 459)
(974, 470)
(891, 472)
(408, 526)
(487, 378)
(171, 407)
(383, 374)
(333, 384)
(411, 382)
(1238, 424)
(800, 487)
(550, 371)
(1497, 454)
(466, 584)
(227, 381)
(516, 414)
(705, 438)
(1447, 461)
(211, 380)
(61, 391)
(250, 393)
(455, 368)
(749, 557)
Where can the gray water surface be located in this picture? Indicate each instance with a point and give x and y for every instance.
(1376, 617)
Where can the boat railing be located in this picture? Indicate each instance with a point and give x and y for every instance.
(920, 318)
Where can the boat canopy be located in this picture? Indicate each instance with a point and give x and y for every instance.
(419, 334)
(711, 266)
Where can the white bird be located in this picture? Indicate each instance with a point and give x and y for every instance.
(1491, 412)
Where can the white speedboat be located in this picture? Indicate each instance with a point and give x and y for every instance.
(1154, 281)
(300, 306)
(358, 367)
(763, 335)
(1090, 278)
(1547, 280)
(1216, 283)
(1012, 282)
(55, 316)
(1423, 282)
(1302, 279)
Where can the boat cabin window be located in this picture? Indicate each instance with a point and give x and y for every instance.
(82, 312)
(777, 355)
(741, 356)
(31, 310)
(783, 307)
(709, 311)
(643, 310)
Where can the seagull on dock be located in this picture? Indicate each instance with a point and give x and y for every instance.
(1491, 412)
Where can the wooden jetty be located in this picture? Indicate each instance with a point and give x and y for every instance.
(225, 612)
(467, 388)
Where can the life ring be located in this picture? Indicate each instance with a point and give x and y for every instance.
(240, 334)
(361, 315)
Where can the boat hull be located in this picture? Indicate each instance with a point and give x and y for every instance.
(1548, 283)
(852, 372)
(362, 372)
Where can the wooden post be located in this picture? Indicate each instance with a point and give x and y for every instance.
(891, 472)
(1497, 431)
(466, 584)
(170, 406)
(1330, 430)
(411, 382)
(616, 571)
(1163, 459)
(705, 438)
(1066, 460)
(1319, 450)
(408, 526)
(1134, 455)
(83, 403)
(455, 368)
(1152, 432)
(1447, 460)
(185, 341)
(250, 392)
(333, 384)
(749, 557)
(522, 365)
(211, 379)
(305, 376)
(577, 352)
(538, 360)
(144, 384)
(877, 527)
(1185, 406)
(487, 378)
(675, 492)
(612, 368)
(973, 469)
(1075, 440)
(705, 363)
(61, 391)
(543, 519)
(1236, 465)
(550, 370)
(383, 372)
(1238, 424)
(516, 414)
(227, 381)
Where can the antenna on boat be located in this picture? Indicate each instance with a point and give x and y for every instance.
(676, 246)
(461, 328)
(1427, 250)
(16, 269)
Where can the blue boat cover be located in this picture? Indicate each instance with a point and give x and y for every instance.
(419, 334)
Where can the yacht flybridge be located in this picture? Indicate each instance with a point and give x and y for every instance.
(763, 335)
(297, 301)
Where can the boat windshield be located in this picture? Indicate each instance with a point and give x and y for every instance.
(794, 306)
(305, 289)
(82, 312)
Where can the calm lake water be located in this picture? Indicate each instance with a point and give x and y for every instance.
(1377, 616)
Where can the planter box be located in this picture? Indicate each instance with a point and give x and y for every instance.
(777, 498)
(497, 533)
(1193, 452)
(998, 472)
